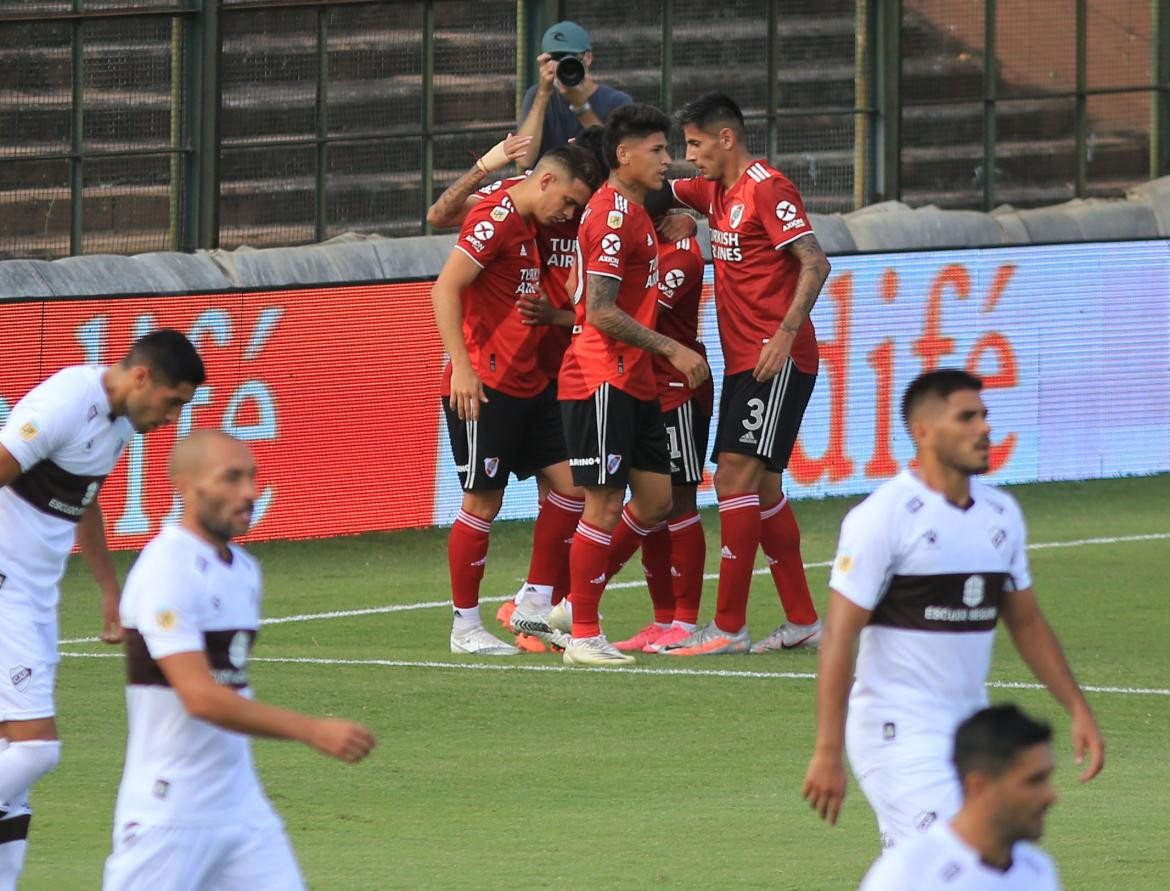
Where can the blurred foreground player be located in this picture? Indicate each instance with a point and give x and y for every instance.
(925, 567)
(501, 408)
(612, 419)
(191, 815)
(59, 444)
(769, 270)
(1004, 762)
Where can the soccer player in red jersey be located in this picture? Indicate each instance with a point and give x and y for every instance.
(502, 413)
(674, 552)
(547, 581)
(769, 270)
(612, 419)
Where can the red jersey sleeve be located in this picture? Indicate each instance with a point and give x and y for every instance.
(606, 237)
(485, 231)
(491, 188)
(781, 211)
(694, 192)
(681, 272)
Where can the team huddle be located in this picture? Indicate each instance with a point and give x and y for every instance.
(570, 310)
(589, 373)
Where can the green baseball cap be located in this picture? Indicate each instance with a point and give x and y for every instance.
(565, 37)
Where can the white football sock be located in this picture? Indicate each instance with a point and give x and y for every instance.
(23, 763)
(537, 598)
(466, 619)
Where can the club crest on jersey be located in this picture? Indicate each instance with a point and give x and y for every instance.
(484, 230)
(499, 214)
(973, 591)
(21, 675)
(785, 212)
(29, 431)
(611, 244)
(736, 216)
(615, 219)
(490, 466)
(612, 463)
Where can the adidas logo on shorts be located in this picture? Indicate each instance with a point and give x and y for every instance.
(749, 438)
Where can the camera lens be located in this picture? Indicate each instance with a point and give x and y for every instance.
(570, 71)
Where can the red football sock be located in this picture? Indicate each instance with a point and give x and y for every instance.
(588, 557)
(656, 566)
(780, 538)
(627, 538)
(466, 555)
(688, 553)
(739, 527)
(551, 537)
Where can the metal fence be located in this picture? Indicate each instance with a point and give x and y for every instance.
(134, 126)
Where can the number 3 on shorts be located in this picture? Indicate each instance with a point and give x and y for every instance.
(754, 421)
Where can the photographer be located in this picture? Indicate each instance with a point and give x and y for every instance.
(566, 98)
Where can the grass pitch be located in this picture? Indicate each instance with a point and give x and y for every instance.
(494, 778)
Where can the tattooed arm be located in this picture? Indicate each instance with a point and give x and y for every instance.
(814, 269)
(602, 311)
(452, 206)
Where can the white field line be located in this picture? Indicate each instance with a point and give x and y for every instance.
(637, 583)
(672, 672)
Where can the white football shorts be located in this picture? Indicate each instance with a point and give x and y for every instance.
(242, 856)
(28, 666)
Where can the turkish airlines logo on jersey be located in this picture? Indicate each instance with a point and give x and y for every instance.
(736, 216)
(674, 278)
(483, 230)
(611, 244)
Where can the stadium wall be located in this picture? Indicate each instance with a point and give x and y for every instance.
(336, 386)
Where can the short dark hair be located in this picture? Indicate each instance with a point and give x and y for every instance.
(940, 383)
(169, 356)
(990, 740)
(635, 121)
(578, 163)
(590, 139)
(711, 111)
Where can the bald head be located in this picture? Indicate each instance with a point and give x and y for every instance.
(193, 454)
(216, 476)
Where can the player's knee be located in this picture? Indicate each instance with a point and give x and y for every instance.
(484, 505)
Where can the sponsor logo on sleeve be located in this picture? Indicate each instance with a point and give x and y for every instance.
(166, 620)
(674, 278)
(483, 230)
(499, 214)
(615, 219)
(29, 431)
(611, 245)
(843, 564)
(785, 212)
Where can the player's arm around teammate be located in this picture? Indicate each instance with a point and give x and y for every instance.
(450, 208)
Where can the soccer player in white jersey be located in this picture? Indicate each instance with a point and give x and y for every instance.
(1004, 762)
(59, 443)
(191, 815)
(925, 567)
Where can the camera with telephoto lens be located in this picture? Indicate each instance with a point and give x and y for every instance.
(570, 70)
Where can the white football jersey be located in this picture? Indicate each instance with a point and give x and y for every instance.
(66, 443)
(940, 859)
(934, 576)
(181, 597)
